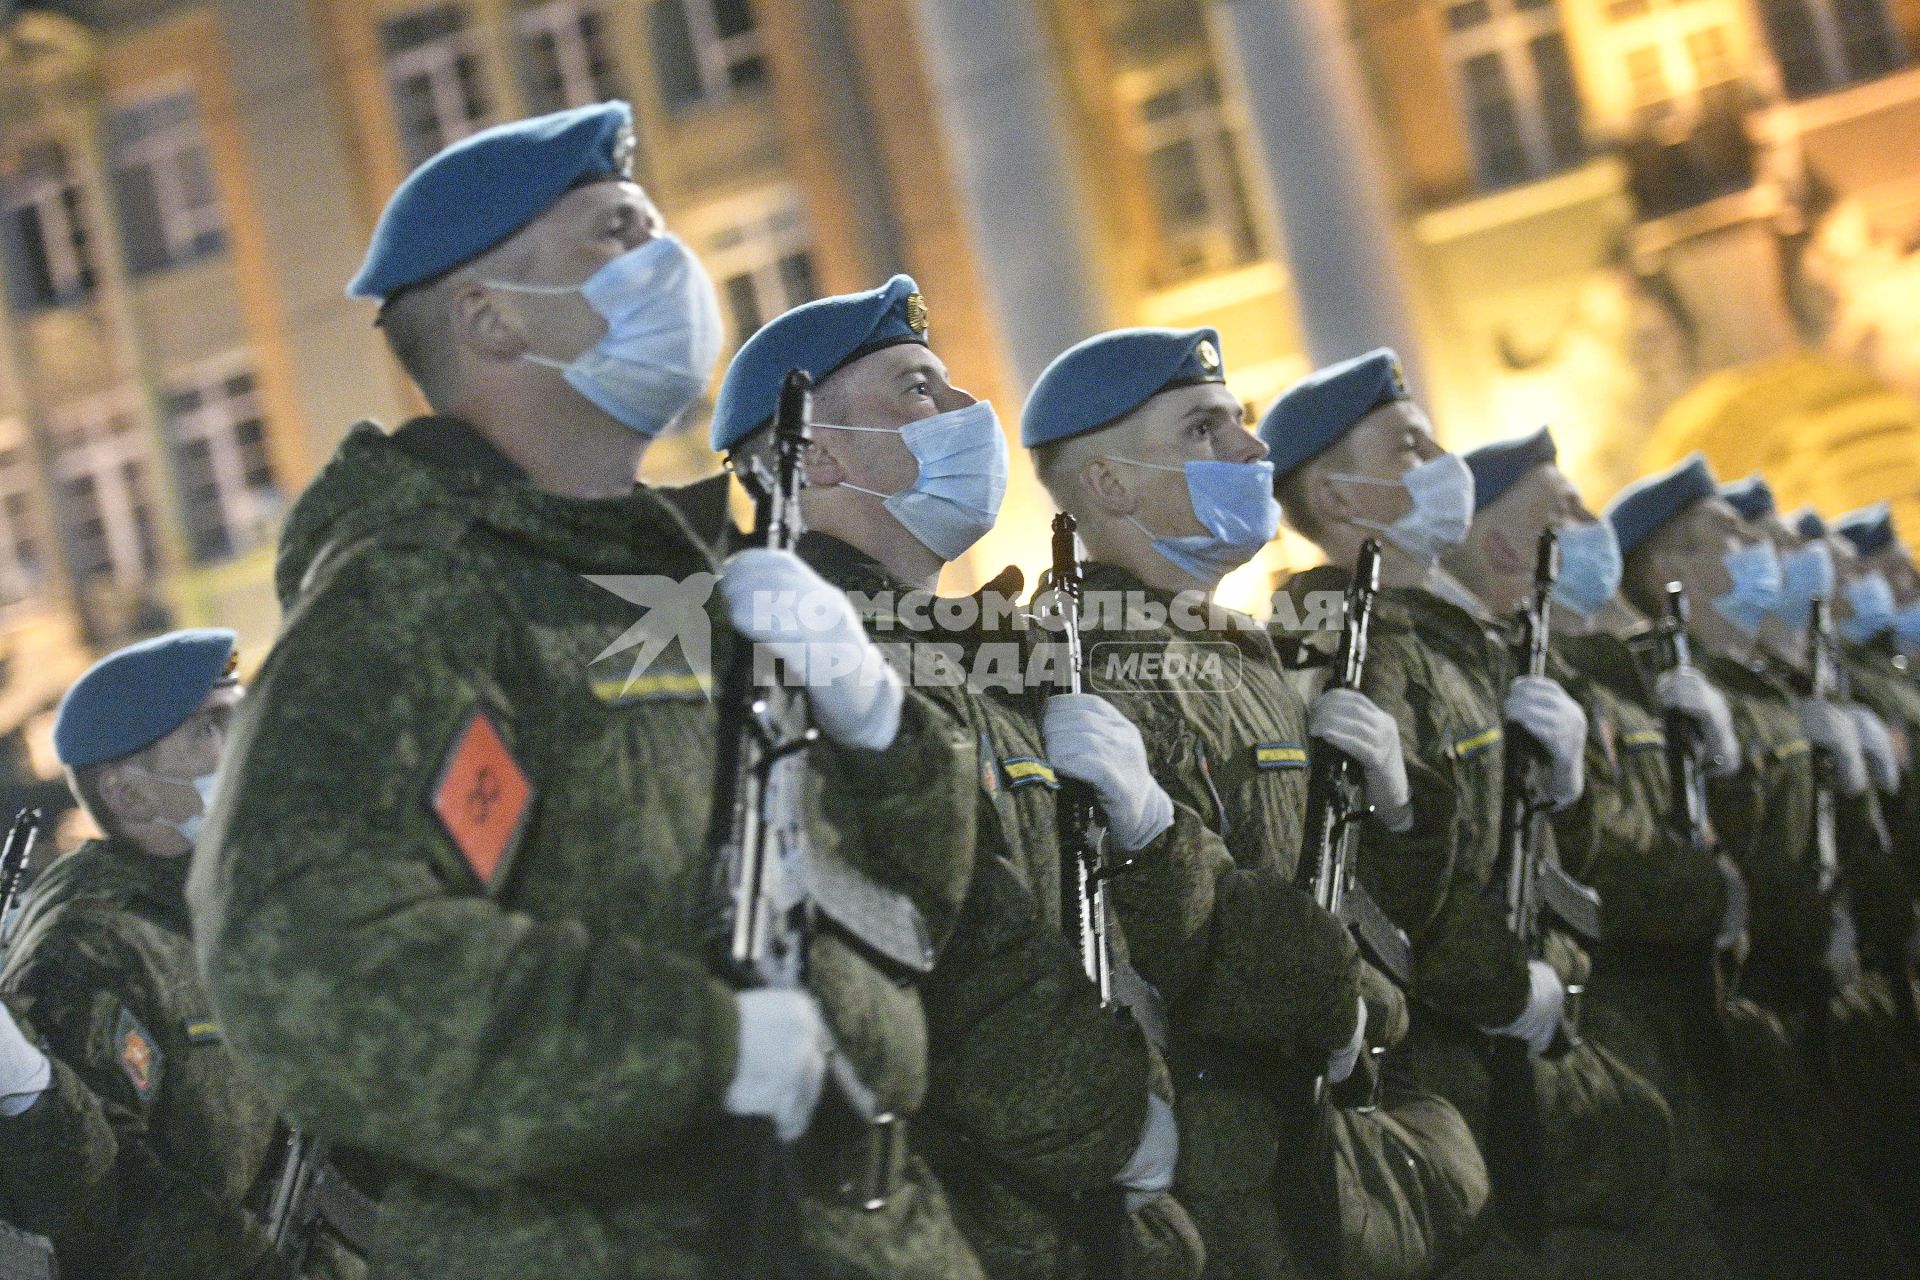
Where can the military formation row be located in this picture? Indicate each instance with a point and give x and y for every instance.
(491, 934)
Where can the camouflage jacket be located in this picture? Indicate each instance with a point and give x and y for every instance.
(1658, 893)
(1764, 817)
(1883, 680)
(1037, 1095)
(145, 1157)
(1442, 673)
(447, 897)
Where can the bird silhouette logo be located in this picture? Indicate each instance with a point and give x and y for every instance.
(675, 610)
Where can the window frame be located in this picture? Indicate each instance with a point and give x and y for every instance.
(71, 246)
(1509, 34)
(20, 582)
(246, 513)
(437, 61)
(104, 453)
(160, 152)
(563, 20)
(768, 226)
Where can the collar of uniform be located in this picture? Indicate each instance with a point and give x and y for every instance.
(446, 441)
(1608, 659)
(846, 566)
(1111, 578)
(113, 872)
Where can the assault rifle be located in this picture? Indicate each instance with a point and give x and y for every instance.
(758, 926)
(1337, 799)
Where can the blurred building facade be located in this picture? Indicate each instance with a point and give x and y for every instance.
(1656, 224)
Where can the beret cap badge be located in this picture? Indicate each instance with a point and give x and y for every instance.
(623, 149)
(916, 313)
(1208, 355)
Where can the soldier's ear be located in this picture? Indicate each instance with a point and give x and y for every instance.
(1104, 484)
(123, 795)
(480, 321)
(824, 468)
(1328, 502)
(1501, 555)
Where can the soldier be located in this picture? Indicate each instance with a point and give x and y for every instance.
(1354, 457)
(1674, 526)
(451, 902)
(1870, 532)
(1039, 1114)
(1136, 434)
(1662, 992)
(136, 1141)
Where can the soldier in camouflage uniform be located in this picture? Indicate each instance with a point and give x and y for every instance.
(1039, 1117)
(59, 1146)
(451, 902)
(149, 1152)
(1135, 433)
(1675, 527)
(1355, 457)
(1661, 992)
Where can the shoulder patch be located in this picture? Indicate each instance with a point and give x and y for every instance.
(1029, 771)
(1279, 755)
(482, 798)
(1644, 740)
(139, 1057)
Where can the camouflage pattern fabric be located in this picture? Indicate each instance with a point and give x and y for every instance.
(1260, 983)
(446, 900)
(1037, 1096)
(145, 1157)
(1442, 672)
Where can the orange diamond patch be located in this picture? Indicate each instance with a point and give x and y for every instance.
(482, 798)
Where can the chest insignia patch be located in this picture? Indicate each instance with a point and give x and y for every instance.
(482, 798)
(138, 1055)
(1279, 755)
(1474, 743)
(1030, 771)
(202, 1031)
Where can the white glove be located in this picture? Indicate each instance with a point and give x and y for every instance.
(1876, 744)
(1830, 729)
(1686, 691)
(25, 1073)
(784, 1046)
(1733, 920)
(1149, 1173)
(1842, 958)
(1348, 721)
(1341, 1062)
(1552, 718)
(774, 599)
(1546, 1002)
(1088, 740)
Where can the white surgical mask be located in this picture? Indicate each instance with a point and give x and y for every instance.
(1233, 501)
(1442, 493)
(1589, 567)
(663, 334)
(205, 784)
(955, 499)
(1870, 596)
(1755, 573)
(1805, 572)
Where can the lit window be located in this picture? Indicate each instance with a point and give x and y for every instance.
(22, 558)
(222, 468)
(763, 262)
(163, 184)
(1823, 44)
(1713, 71)
(49, 248)
(1648, 84)
(102, 467)
(1517, 89)
(1194, 176)
(705, 49)
(564, 56)
(433, 72)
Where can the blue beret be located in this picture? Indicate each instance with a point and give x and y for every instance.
(468, 198)
(1807, 523)
(819, 336)
(1497, 467)
(1751, 497)
(1324, 406)
(1108, 376)
(1870, 529)
(1644, 507)
(135, 696)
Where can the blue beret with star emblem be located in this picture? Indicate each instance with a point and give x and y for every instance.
(1647, 505)
(476, 193)
(1870, 529)
(1328, 403)
(135, 696)
(1103, 379)
(1807, 523)
(1752, 497)
(1497, 467)
(822, 337)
